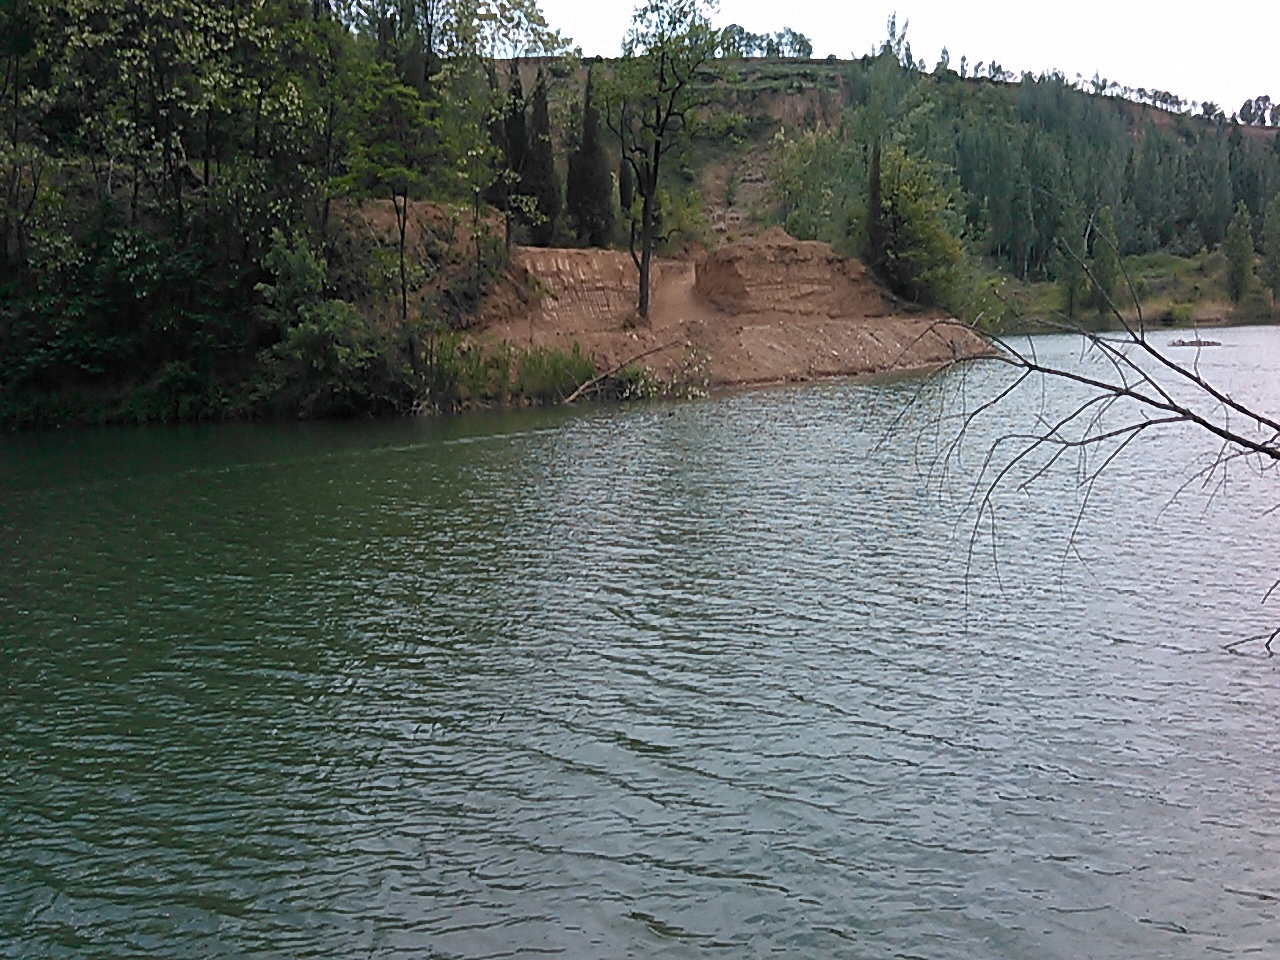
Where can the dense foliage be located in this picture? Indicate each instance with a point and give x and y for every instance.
(589, 185)
(178, 181)
(1020, 172)
(214, 209)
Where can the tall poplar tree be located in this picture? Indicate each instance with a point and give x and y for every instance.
(541, 182)
(1238, 248)
(1068, 261)
(587, 191)
(1105, 265)
(1271, 249)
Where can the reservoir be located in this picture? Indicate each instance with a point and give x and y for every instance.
(742, 677)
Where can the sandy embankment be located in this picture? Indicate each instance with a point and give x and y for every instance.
(768, 310)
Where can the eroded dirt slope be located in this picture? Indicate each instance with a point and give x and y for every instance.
(766, 310)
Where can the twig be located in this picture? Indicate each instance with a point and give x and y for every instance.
(583, 388)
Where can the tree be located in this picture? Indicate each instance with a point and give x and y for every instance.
(540, 181)
(1105, 266)
(626, 188)
(1239, 252)
(874, 251)
(587, 191)
(509, 183)
(514, 121)
(485, 32)
(737, 41)
(1069, 261)
(653, 100)
(880, 91)
(1271, 249)
(919, 252)
(498, 193)
(793, 44)
(391, 158)
(1211, 186)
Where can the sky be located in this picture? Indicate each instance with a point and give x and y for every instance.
(1226, 51)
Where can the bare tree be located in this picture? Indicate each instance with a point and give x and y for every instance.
(1123, 386)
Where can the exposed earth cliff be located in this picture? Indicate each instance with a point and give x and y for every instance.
(767, 310)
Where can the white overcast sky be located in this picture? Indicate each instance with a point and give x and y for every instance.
(1219, 50)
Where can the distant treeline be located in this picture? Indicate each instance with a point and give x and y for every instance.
(1019, 172)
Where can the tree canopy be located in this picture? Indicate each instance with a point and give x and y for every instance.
(653, 99)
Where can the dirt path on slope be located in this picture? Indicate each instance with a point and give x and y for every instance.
(763, 311)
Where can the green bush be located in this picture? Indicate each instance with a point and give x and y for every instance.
(548, 375)
(922, 257)
(330, 360)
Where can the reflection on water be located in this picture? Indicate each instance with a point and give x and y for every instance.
(702, 680)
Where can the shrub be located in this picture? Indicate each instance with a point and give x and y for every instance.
(547, 374)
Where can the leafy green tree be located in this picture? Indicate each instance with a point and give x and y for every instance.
(1105, 265)
(736, 41)
(1271, 249)
(540, 180)
(1238, 248)
(875, 251)
(509, 138)
(1211, 186)
(392, 157)
(882, 90)
(818, 184)
(515, 124)
(327, 360)
(498, 193)
(500, 170)
(588, 188)
(1069, 260)
(793, 44)
(653, 100)
(921, 253)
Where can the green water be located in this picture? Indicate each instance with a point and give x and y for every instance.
(713, 679)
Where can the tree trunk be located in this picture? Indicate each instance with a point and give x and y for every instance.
(649, 188)
(646, 252)
(402, 221)
(875, 212)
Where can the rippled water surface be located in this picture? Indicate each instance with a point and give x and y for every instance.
(711, 680)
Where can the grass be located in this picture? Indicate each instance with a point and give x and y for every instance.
(464, 374)
(548, 375)
(1175, 291)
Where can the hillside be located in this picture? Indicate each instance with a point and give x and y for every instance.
(179, 239)
(1020, 174)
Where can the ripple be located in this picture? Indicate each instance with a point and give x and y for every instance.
(717, 679)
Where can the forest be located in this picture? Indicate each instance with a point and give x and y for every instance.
(216, 209)
(982, 177)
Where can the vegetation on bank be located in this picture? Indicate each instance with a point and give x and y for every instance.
(300, 208)
(178, 181)
(956, 188)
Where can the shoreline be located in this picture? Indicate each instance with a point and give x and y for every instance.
(763, 311)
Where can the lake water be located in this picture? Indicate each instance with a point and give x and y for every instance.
(719, 679)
